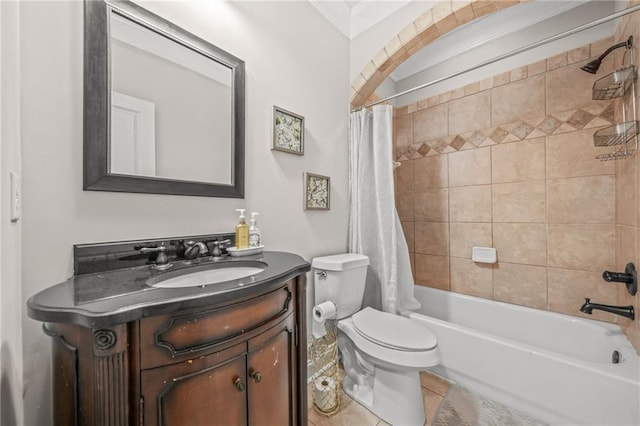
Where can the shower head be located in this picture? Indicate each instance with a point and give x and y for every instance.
(592, 67)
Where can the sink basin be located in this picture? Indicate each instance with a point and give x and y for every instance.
(202, 275)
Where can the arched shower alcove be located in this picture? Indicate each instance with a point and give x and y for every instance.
(437, 21)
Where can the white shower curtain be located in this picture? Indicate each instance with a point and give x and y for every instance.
(374, 225)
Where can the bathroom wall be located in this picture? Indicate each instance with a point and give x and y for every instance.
(10, 231)
(628, 184)
(509, 162)
(294, 59)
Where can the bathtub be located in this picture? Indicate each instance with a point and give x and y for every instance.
(554, 367)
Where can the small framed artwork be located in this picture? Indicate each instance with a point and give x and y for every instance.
(317, 192)
(288, 131)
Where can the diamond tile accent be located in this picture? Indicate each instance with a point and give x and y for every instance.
(498, 134)
(477, 138)
(424, 149)
(457, 143)
(549, 124)
(523, 130)
(567, 121)
(579, 119)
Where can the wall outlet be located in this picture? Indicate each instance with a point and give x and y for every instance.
(16, 196)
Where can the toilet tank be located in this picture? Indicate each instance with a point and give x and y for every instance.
(340, 279)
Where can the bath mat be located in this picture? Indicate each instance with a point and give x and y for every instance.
(461, 407)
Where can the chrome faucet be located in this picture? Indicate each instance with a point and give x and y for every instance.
(195, 249)
(625, 311)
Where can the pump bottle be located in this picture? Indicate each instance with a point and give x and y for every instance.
(255, 239)
(242, 232)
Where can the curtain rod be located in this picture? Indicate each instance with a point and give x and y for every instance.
(509, 54)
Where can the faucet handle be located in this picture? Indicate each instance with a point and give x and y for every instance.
(156, 254)
(218, 246)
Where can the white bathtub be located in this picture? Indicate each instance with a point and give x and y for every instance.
(555, 367)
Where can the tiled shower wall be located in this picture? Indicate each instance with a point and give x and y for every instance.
(628, 183)
(508, 162)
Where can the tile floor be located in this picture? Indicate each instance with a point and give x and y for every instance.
(351, 413)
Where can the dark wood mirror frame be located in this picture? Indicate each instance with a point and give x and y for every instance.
(97, 105)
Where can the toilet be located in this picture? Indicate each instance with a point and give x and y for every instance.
(382, 353)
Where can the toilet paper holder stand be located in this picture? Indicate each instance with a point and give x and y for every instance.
(325, 377)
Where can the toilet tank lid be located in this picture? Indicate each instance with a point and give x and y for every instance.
(340, 262)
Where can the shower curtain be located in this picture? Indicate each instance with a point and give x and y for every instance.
(374, 225)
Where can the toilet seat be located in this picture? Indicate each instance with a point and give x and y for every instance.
(387, 357)
(393, 331)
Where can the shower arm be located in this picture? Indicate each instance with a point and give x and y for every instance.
(509, 54)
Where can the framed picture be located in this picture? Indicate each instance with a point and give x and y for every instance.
(288, 131)
(317, 190)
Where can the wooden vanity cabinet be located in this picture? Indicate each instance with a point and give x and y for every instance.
(241, 363)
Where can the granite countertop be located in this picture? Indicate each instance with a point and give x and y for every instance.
(109, 298)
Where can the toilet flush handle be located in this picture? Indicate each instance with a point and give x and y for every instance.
(321, 274)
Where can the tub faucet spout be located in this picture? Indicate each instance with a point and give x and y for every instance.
(625, 311)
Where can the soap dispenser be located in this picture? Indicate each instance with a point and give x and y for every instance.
(254, 232)
(242, 232)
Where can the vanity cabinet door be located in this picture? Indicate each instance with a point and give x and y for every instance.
(209, 390)
(271, 376)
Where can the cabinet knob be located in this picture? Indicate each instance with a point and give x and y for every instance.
(257, 377)
(239, 384)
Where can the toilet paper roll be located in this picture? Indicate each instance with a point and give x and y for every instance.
(324, 311)
(325, 393)
(321, 313)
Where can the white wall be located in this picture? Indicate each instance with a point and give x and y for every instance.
(299, 64)
(10, 232)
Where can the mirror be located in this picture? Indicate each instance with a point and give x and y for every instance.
(164, 109)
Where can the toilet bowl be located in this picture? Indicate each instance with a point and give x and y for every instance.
(382, 353)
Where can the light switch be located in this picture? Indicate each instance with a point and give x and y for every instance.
(16, 196)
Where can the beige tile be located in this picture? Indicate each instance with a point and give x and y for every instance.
(472, 167)
(567, 290)
(579, 54)
(435, 384)
(589, 199)
(404, 206)
(471, 278)
(627, 240)
(518, 100)
(520, 284)
(431, 403)
(408, 229)
(403, 130)
(431, 172)
(432, 238)
(586, 247)
(431, 205)
(519, 202)
(465, 236)
(573, 154)
(523, 243)
(570, 88)
(404, 177)
(470, 204)
(470, 113)
(430, 123)
(626, 196)
(518, 161)
(432, 271)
